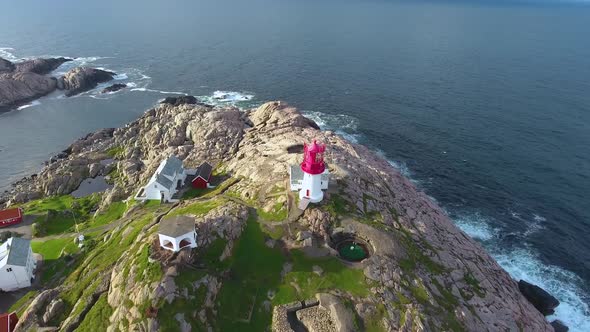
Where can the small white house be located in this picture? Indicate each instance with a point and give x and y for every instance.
(17, 264)
(166, 181)
(177, 233)
(296, 178)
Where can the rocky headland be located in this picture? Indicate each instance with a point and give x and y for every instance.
(28, 80)
(261, 262)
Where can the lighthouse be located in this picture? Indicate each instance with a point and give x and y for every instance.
(313, 167)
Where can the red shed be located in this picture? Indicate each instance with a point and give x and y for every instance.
(10, 217)
(202, 177)
(8, 322)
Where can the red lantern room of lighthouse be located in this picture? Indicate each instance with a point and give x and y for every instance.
(313, 167)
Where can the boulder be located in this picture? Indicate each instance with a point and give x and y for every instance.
(114, 88)
(82, 79)
(181, 100)
(543, 301)
(53, 309)
(40, 66)
(559, 326)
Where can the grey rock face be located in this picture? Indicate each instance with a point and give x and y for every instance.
(17, 88)
(40, 66)
(6, 66)
(82, 79)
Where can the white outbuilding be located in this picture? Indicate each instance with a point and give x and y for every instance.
(166, 181)
(17, 264)
(177, 233)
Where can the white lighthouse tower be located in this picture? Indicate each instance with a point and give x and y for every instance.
(313, 167)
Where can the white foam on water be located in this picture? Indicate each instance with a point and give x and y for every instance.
(341, 124)
(120, 77)
(402, 167)
(524, 264)
(226, 97)
(476, 226)
(159, 91)
(6, 53)
(33, 103)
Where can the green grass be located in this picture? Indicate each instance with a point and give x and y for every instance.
(194, 193)
(51, 249)
(97, 319)
(114, 212)
(115, 152)
(338, 206)
(197, 208)
(277, 213)
(86, 276)
(255, 269)
(374, 323)
(41, 206)
(147, 271)
(20, 305)
(210, 256)
(335, 276)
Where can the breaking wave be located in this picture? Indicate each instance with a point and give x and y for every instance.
(159, 91)
(31, 104)
(6, 53)
(564, 285)
(219, 97)
(343, 125)
(476, 226)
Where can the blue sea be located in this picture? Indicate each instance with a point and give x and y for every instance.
(485, 105)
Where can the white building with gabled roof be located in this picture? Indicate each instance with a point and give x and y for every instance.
(17, 264)
(166, 181)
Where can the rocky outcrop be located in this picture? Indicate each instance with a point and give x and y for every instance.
(40, 66)
(182, 100)
(543, 301)
(82, 79)
(17, 88)
(30, 318)
(559, 326)
(114, 88)
(6, 66)
(24, 81)
(426, 274)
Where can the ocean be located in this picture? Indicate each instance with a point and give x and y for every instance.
(485, 105)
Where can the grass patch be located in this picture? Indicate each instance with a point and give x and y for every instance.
(374, 323)
(198, 208)
(41, 206)
(339, 206)
(114, 212)
(52, 249)
(194, 193)
(115, 152)
(147, 271)
(210, 256)
(97, 319)
(254, 270)
(277, 213)
(335, 276)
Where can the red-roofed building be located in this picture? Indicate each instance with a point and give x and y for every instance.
(8, 322)
(10, 217)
